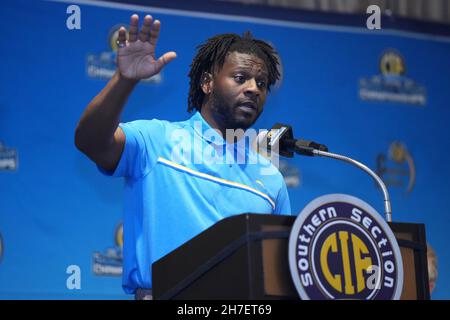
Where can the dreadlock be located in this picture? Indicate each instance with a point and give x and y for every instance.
(211, 57)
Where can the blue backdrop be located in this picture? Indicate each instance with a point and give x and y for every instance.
(378, 96)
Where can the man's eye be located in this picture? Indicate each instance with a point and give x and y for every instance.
(239, 79)
(261, 84)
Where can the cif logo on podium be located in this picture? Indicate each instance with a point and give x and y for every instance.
(341, 248)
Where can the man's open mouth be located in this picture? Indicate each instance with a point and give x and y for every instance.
(248, 106)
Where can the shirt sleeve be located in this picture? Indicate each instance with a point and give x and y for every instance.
(140, 153)
(283, 204)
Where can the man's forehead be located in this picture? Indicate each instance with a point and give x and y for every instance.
(246, 61)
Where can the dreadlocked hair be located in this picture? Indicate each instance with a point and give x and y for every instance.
(211, 56)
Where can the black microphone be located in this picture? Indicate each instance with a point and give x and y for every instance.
(280, 139)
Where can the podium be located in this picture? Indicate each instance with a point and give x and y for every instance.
(246, 257)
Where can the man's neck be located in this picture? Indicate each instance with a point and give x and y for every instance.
(221, 129)
(212, 122)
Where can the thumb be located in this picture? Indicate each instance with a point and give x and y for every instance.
(165, 59)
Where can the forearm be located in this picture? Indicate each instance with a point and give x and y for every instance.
(100, 120)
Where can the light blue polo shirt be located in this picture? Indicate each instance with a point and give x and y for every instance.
(180, 179)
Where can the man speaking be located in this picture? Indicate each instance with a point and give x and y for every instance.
(173, 190)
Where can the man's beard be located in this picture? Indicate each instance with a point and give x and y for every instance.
(224, 113)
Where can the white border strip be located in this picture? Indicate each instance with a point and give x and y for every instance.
(216, 179)
(249, 19)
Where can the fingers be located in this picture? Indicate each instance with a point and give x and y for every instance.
(144, 35)
(134, 27)
(165, 59)
(122, 39)
(154, 34)
(149, 31)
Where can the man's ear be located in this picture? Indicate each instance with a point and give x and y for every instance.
(207, 83)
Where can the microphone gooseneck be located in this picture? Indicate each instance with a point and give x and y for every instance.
(280, 140)
(387, 202)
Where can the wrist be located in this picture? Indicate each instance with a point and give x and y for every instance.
(127, 81)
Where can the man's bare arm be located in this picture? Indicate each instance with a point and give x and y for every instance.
(98, 134)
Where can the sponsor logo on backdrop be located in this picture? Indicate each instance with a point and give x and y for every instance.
(392, 85)
(396, 167)
(290, 173)
(103, 65)
(9, 160)
(109, 263)
(341, 248)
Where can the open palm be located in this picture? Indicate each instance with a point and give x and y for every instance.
(136, 57)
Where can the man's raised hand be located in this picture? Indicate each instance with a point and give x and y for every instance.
(136, 57)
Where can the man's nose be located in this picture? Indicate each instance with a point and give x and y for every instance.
(252, 87)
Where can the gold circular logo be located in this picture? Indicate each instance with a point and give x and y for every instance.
(392, 63)
(397, 152)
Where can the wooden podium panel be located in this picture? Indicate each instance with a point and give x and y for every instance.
(413, 247)
(246, 257)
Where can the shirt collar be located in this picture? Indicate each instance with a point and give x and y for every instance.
(200, 126)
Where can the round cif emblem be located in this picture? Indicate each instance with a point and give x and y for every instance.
(341, 248)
